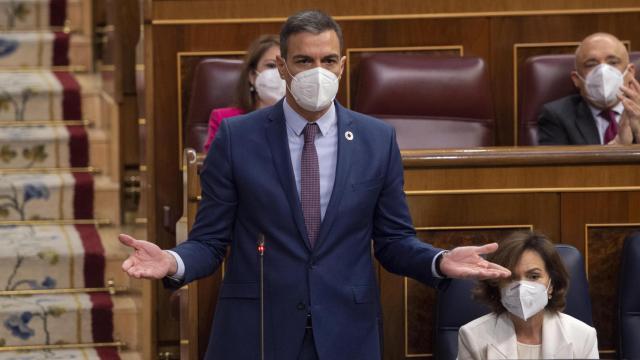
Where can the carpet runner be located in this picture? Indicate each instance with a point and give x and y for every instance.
(34, 49)
(44, 147)
(32, 14)
(39, 96)
(43, 180)
(56, 319)
(61, 196)
(51, 257)
(84, 354)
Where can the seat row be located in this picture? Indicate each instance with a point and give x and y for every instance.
(432, 101)
(455, 306)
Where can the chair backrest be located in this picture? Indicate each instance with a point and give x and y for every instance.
(432, 101)
(629, 299)
(455, 307)
(578, 300)
(546, 78)
(214, 84)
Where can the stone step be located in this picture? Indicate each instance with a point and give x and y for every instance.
(106, 199)
(103, 153)
(116, 253)
(81, 52)
(79, 16)
(92, 102)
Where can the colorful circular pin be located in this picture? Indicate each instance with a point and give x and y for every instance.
(348, 135)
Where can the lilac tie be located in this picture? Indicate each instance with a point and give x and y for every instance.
(612, 130)
(310, 183)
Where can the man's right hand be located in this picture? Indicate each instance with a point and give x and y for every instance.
(148, 261)
(629, 126)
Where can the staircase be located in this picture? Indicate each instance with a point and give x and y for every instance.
(62, 293)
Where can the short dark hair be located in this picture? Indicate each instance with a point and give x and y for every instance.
(311, 21)
(508, 255)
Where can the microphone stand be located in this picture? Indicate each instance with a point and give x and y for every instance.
(261, 248)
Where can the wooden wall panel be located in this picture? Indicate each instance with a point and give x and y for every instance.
(593, 219)
(604, 245)
(509, 32)
(490, 29)
(208, 9)
(420, 300)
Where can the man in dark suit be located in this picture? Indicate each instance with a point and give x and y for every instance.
(608, 107)
(318, 181)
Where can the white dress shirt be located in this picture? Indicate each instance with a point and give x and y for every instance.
(326, 143)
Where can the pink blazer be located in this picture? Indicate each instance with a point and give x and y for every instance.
(216, 117)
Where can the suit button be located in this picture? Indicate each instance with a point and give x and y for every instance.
(301, 306)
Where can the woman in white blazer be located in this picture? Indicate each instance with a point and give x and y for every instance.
(526, 322)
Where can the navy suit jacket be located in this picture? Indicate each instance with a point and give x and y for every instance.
(248, 188)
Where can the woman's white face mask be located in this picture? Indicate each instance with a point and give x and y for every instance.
(314, 89)
(524, 298)
(602, 85)
(270, 87)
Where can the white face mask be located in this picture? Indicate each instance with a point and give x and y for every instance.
(602, 85)
(524, 298)
(314, 89)
(270, 86)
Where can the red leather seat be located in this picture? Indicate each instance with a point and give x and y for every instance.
(214, 84)
(546, 78)
(432, 101)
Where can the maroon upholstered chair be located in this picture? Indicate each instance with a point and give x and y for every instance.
(432, 101)
(546, 78)
(214, 84)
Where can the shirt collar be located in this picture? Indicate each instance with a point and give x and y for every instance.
(618, 109)
(297, 122)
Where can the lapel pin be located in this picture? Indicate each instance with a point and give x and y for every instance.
(348, 135)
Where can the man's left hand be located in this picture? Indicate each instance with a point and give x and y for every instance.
(465, 262)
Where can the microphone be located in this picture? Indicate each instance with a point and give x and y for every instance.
(261, 248)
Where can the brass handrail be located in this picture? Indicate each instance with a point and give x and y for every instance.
(25, 69)
(34, 123)
(90, 169)
(97, 222)
(111, 288)
(118, 344)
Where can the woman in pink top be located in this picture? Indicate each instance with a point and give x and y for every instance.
(259, 85)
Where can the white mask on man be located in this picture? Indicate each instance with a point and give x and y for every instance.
(524, 298)
(314, 89)
(270, 86)
(602, 85)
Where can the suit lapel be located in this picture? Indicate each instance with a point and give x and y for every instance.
(279, 145)
(343, 165)
(586, 124)
(555, 344)
(504, 346)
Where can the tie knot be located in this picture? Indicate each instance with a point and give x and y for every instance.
(310, 131)
(609, 115)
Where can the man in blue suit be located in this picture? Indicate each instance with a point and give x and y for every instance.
(318, 182)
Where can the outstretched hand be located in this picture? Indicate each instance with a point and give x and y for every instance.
(465, 262)
(148, 261)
